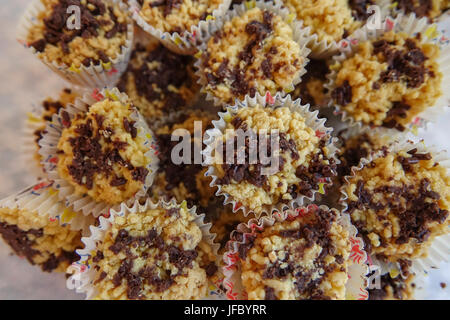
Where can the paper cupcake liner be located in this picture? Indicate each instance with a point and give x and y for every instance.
(34, 122)
(357, 281)
(268, 101)
(181, 44)
(42, 198)
(300, 35)
(49, 145)
(439, 251)
(411, 26)
(83, 275)
(323, 49)
(104, 74)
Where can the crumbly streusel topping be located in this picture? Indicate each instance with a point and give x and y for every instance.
(303, 158)
(399, 203)
(176, 15)
(254, 52)
(306, 258)
(159, 81)
(41, 241)
(389, 81)
(101, 154)
(102, 32)
(156, 254)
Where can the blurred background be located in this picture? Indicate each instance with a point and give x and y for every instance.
(25, 81)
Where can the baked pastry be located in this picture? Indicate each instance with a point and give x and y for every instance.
(41, 240)
(101, 154)
(399, 202)
(153, 254)
(303, 258)
(158, 81)
(178, 16)
(301, 165)
(184, 181)
(254, 51)
(387, 82)
(98, 40)
(47, 109)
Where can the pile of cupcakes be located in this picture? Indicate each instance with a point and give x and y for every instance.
(356, 207)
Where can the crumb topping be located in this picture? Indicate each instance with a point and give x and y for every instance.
(158, 81)
(399, 203)
(303, 159)
(41, 241)
(156, 254)
(389, 81)
(306, 258)
(254, 52)
(100, 153)
(102, 32)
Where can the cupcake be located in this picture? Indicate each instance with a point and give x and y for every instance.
(158, 81)
(177, 24)
(397, 288)
(299, 156)
(90, 51)
(306, 257)
(330, 21)
(252, 51)
(311, 89)
(399, 202)
(423, 8)
(150, 253)
(38, 238)
(37, 120)
(183, 181)
(102, 154)
(387, 81)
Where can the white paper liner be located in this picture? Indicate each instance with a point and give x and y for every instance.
(439, 251)
(42, 198)
(300, 35)
(212, 135)
(34, 122)
(181, 44)
(49, 144)
(104, 74)
(83, 275)
(357, 271)
(412, 26)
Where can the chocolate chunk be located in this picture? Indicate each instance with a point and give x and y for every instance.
(269, 293)
(139, 174)
(359, 9)
(118, 181)
(211, 269)
(39, 45)
(342, 95)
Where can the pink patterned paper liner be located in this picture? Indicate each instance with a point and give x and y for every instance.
(49, 142)
(357, 281)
